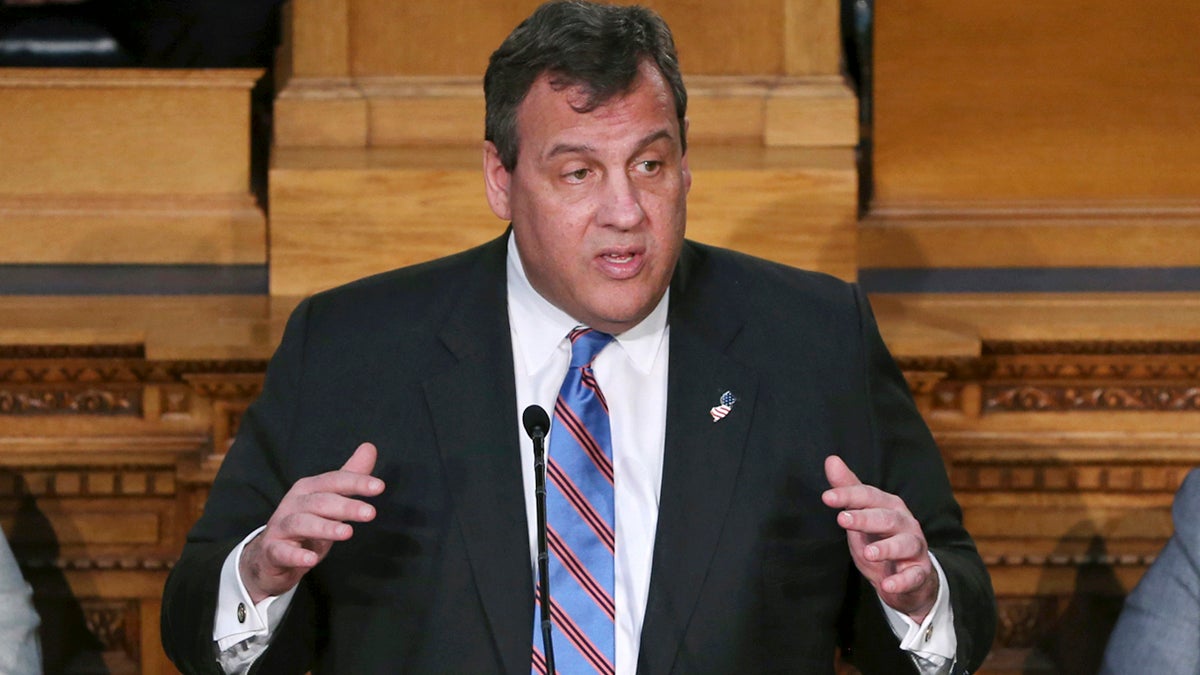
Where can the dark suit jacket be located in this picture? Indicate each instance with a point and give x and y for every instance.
(1159, 628)
(750, 573)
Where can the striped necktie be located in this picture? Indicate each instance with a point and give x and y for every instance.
(580, 520)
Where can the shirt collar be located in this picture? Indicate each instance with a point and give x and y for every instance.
(542, 327)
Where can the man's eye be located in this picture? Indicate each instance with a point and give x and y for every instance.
(578, 174)
(649, 166)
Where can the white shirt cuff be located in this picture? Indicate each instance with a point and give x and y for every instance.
(238, 618)
(933, 641)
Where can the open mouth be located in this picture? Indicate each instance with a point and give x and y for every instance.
(621, 264)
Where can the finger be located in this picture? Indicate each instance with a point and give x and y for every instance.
(336, 507)
(877, 521)
(906, 580)
(859, 496)
(899, 549)
(838, 474)
(363, 460)
(339, 482)
(288, 554)
(297, 527)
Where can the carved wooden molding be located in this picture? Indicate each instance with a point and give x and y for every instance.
(112, 380)
(1068, 476)
(1023, 620)
(109, 622)
(120, 351)
(1028, 398)
(59, 481)
(1062, 376)
(67, 400)
(98, 563)
(1076, 560)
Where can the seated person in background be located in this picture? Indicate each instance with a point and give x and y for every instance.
(1159, 628)
(752, 489)
(20, 651)
(139, 33)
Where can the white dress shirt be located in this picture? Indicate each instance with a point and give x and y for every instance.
(632, 373)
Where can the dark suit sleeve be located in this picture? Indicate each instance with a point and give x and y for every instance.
(251, 482)
(1159, 628)
(911, 466)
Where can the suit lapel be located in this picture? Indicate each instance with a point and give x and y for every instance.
(473, 410)
(700, 464)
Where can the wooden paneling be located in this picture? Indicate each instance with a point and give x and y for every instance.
(1078, 101)
(316, 39)
(342, 214)
(792, 206)
(736, 37)
(455, 36)
(1052, 137)
(430, 111)
(812, 37)
(758, 71)
(321, 113)
(811, 113)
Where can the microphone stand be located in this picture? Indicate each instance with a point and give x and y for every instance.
(536, 422)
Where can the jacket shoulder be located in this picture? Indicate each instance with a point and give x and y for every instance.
(755, 287)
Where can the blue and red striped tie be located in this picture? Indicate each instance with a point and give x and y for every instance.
(579, 519)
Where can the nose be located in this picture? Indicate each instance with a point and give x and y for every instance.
(620, 203)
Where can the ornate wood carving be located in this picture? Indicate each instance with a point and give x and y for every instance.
(106, 461)
(88, 401)
(116, 380)
(1038, 377)
(109, 622)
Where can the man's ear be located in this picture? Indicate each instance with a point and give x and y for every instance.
(687, 171)
(496, 180)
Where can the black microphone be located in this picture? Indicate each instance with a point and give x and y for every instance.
(537, 423)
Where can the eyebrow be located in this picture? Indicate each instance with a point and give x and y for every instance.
(570, 148)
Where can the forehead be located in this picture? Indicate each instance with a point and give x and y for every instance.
(551, 113)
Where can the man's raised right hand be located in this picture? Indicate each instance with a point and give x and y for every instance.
(309, 519)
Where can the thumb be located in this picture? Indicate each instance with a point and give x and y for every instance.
(838, 474)
(362, 461)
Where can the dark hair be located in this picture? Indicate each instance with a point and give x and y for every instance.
(579, 43)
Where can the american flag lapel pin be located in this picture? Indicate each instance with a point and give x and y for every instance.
(718, 412)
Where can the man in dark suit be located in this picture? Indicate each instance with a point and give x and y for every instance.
(776, 493)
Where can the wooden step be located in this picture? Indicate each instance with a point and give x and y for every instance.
(111, 166)
(150, 229)
(1147, 235)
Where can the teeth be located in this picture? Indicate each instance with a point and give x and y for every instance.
(618, 258)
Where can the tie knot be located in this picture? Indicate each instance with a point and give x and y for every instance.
(586, 343)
